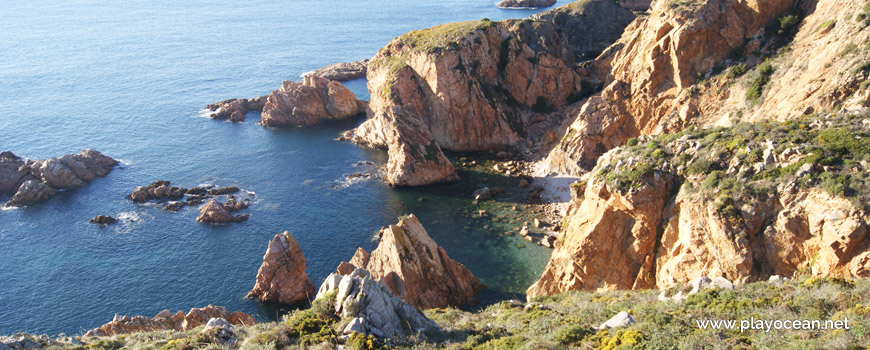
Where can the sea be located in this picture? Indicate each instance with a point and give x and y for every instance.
(130, 79)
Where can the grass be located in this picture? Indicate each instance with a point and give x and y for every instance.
(568, 321)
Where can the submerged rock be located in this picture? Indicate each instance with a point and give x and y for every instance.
(282, 277)
(372, 308)
(166, 320)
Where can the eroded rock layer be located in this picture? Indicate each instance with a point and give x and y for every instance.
(282, 277)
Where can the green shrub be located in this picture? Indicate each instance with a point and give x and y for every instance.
(310, 327)
(572, 334)
(631, 142)
(737, 70)
(788, 25)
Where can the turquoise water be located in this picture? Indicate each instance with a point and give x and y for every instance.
(129, 79)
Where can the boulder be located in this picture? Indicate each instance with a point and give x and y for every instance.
(222, 190)
(166, 320)
(214, 212)
(525, 3)
(371, 307)
(621, 319)
(222, 331)
(310, 102)
(343, 71)
(418, 271)
(282, 278)
(482, 194)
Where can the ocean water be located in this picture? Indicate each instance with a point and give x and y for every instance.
(129, 79)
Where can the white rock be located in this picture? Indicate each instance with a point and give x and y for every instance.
(722, 283)
(699, 284)
(620, 320)
(217, 323)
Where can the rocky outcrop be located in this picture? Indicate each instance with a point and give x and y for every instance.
(234, 110)
(647, 74)
(213, 212)
(414, 158)
(310, 102)
(661, 213)
(343, 71)
(282, 278)
(35, 181)
(165, 320)
(416, 269)
(525, 3)
(371, 307)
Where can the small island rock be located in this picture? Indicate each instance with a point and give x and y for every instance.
(282, 277)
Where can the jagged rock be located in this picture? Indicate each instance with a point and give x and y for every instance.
(343, 71)
(372, 308)
(621, 319)
(35, 181)
(233, 205)
(614, 239)
(414, 158)
(12, 173)
(310, 102)
(282, 277)
(103, 220)
(417, 270)
(648, 71)
(156, 190)
(175, 206)
(165, 320)
(525, 3)
(234, 110)
(31, 191)
(214, 212)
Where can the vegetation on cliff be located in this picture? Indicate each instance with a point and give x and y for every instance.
(566, 321)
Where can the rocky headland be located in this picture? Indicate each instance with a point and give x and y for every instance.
(33, 181)
(483, 85)
(310, 102)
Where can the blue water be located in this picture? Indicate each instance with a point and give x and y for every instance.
(128, 79)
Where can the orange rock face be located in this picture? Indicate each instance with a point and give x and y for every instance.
(636, 240)
(416, 269)
(282, 277)
(165, 320)
(309, 102)
(649, 69)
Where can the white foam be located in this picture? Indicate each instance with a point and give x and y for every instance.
(205, 112)
(124, 162)
(304, 74)
(6, 207)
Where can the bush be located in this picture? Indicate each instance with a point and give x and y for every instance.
(572, 334)
(737, 70)
(788, 25)
(310, 327)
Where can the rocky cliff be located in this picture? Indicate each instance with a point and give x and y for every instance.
(481, 85)
(415, 268)
(282, 277)
(649, 71)
(745, 202)
(34, 181)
